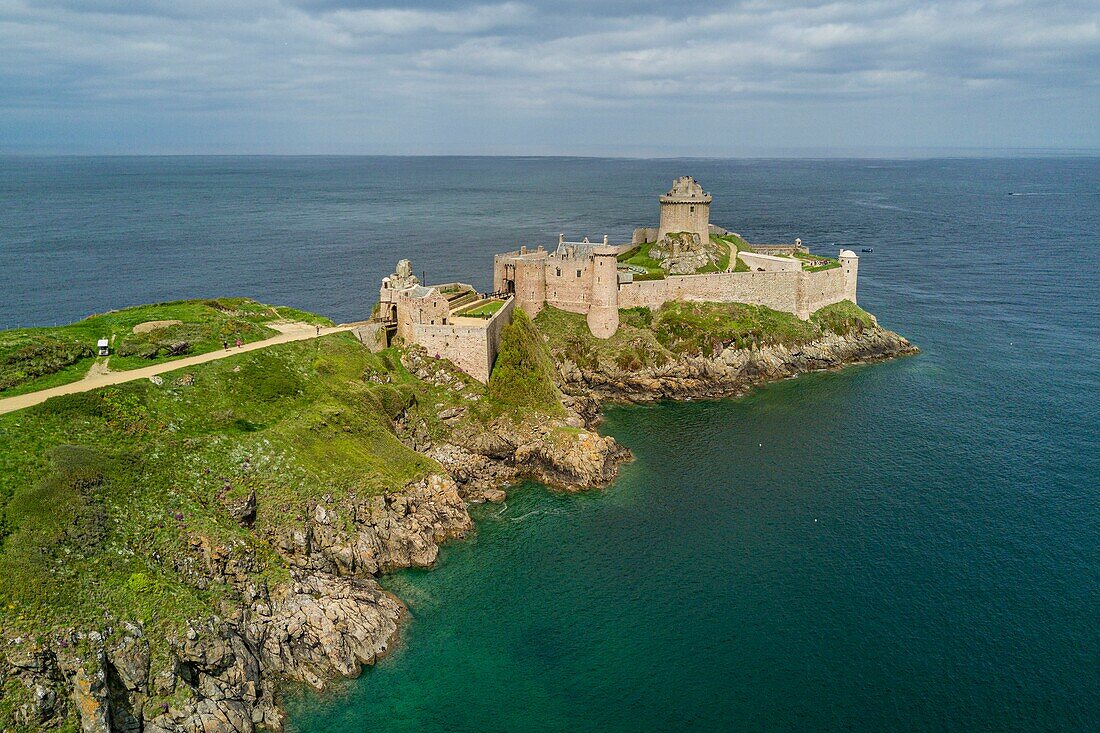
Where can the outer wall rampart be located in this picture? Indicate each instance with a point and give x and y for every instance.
(800, 293)
(777, 290)
(472, 348)
(823, 288)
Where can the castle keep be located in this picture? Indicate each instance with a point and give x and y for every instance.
(685, 257)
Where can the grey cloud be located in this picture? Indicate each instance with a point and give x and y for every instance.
(373, 69)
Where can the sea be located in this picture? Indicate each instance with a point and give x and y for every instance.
(905, 546)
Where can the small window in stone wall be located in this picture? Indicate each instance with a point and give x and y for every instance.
(559, 272)
(578, 273)
(692, 209)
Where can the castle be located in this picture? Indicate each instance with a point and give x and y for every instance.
(684, 258)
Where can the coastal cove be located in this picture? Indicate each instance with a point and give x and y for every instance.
(783, 560)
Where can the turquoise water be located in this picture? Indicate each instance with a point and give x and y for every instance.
(905, 546)
(808, 558)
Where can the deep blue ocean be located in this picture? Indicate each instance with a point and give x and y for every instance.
(909, 546)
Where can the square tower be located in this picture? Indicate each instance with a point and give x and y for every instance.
(685, 208)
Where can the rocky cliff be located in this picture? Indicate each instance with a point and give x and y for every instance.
(326, 620)
(733, 370)
(300, 601)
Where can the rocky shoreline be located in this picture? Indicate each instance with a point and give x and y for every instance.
(331, 616)
(735, 371)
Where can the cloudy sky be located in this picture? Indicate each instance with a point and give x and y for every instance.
(547, 77)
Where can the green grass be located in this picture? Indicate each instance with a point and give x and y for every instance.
(639, 257)
(842, 318)
(484, 310)
(725, 250)
(523, 374)
(649, 339)
(103, 493)
(37, 358)
(702, 329)
(632, 347)
(829, 262)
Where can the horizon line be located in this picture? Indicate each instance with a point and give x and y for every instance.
(927, 153)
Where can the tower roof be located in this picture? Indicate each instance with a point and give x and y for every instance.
(686, 189)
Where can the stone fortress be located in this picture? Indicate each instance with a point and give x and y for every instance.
(684, 258)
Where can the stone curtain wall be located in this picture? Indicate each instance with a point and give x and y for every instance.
(776, 290)
(472, 347)
(493, 330)
(800, 293)
(823, 288)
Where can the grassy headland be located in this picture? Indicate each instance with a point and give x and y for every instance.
(37, 358)
(112, 500)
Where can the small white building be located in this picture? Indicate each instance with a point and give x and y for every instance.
(104, 347)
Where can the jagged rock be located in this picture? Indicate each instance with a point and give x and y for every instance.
(45, 703)
(242, 508)
(451, 413)
(495, 496)
(572, 460)
(90, 697)
(734, 370)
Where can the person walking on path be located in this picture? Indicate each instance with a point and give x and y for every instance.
(318, 329)
(238, 342)
(225, 344)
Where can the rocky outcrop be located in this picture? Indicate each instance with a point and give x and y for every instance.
(555, 451)
(379, 533)
(734, 370)
(328, 619)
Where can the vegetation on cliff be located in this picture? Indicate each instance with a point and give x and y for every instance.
(651, 338)
(164, 504)
(36, 358)
(140, 469)
(523, 375)
(109, 499)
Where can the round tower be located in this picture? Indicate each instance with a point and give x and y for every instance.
(603, 310)
(849, 262)
(685, 208)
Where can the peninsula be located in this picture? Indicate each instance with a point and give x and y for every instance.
(201, 515)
